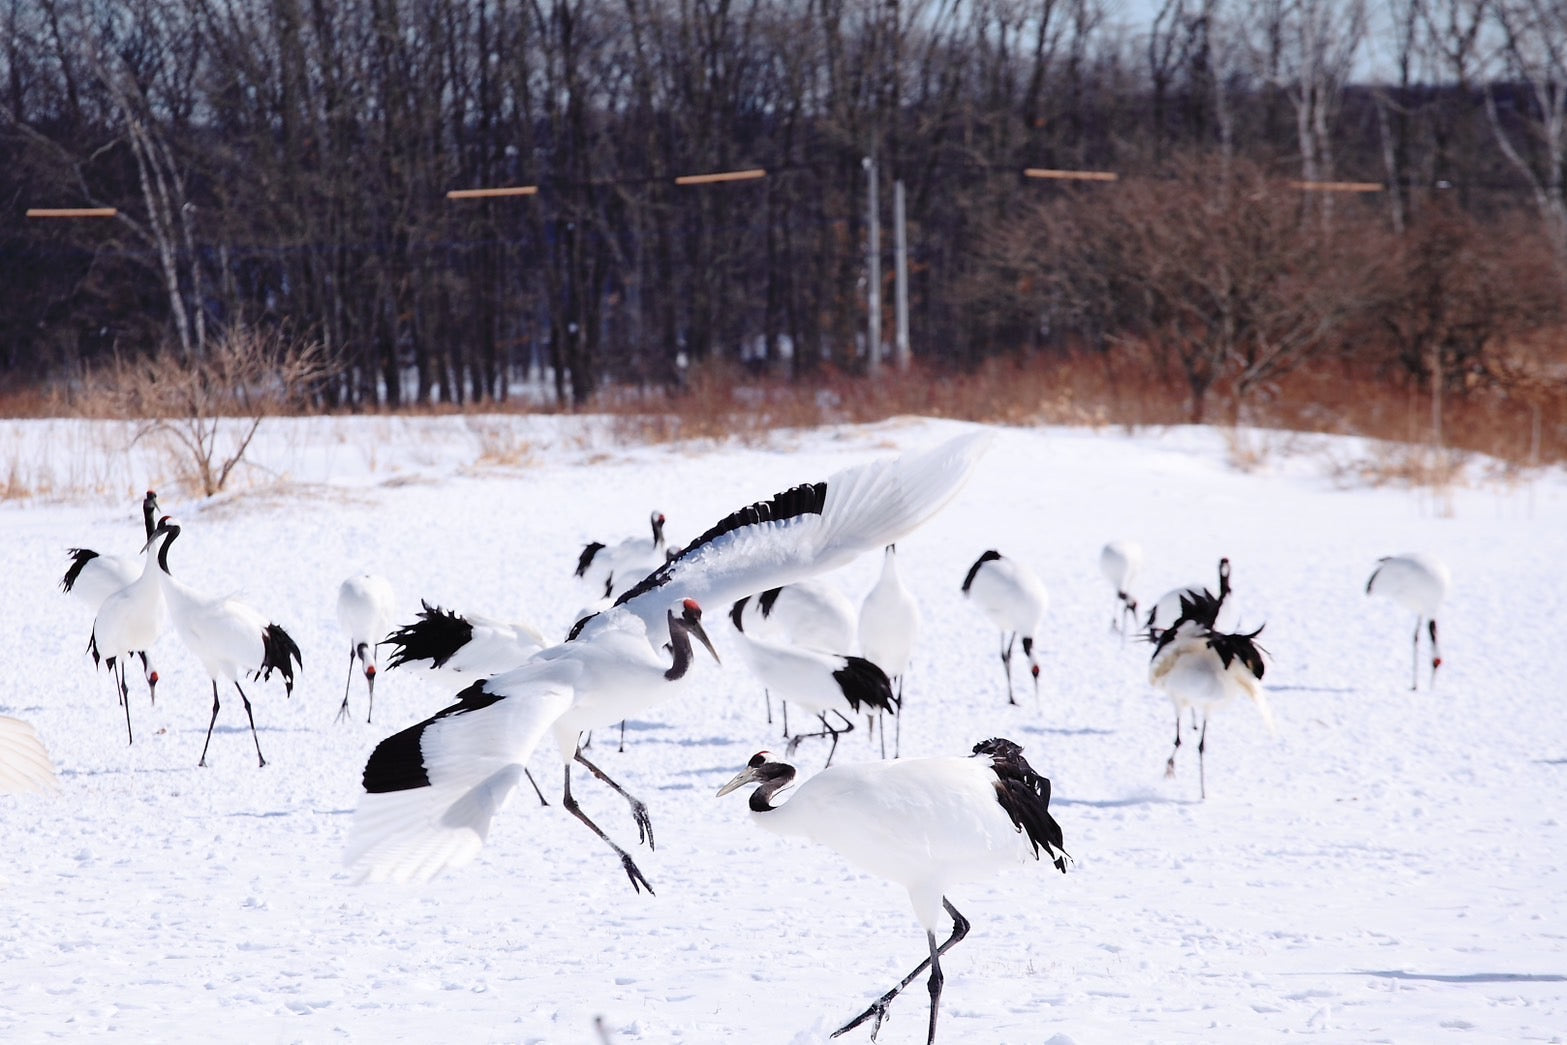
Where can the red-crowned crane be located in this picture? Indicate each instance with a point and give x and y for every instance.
(24, 763)
(926, 824)
(432, 790)
(1419, 583)
(819, 682)
(132, 618)
(1203, 669)
(1168, 608)
(228, 637)
(810, 614)
(92, 577)
(615, 568)
(1120, 562)
(889, 627)
(1014, 600)
(365, 605)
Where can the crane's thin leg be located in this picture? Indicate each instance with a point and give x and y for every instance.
(370, 687)
(878, 1009)
(342, 711)
(897, 724)
(125, 698)
(1436, 653)
(535, 784)
(638, 883)
(246, 701)
(210, 724)
(622, 747)
(783, 707)
(1169, 764)
(1414, 658)
(1006, 662)
(826, 731)
(1202, 744)
(638, 807)
(767, 695)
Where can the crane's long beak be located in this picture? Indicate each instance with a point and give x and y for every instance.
(746, 776)
(701, 635)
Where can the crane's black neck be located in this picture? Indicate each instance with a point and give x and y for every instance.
(149, 513)
(173, 531)
(775, 776)
(658, 530)
(1224, 579)
(990, 556)
(680, 644)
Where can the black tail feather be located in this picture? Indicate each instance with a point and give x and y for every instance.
(1025, 795)
(865, 685)
(278, 648)
(80, 557)
(586, 558)
(436, 637)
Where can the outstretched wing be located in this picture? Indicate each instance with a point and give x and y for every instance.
(432, 790)
(809, 529)
(24, 764)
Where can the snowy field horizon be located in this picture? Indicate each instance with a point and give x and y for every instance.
(1389, 867)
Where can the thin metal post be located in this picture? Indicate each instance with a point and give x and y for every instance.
(873, 290)
(900, 350)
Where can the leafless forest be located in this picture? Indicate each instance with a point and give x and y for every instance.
(283, 166)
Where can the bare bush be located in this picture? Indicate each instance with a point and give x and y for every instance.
(207, 410)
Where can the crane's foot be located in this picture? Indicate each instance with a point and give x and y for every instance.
(644, 823)
(878, 1009)
(638, 883)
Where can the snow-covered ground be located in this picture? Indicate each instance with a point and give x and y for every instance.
(1391, 867)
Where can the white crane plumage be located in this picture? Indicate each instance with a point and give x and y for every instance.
(1167, 610)
(462, 646)
(889, 628)
(810, 614)
(1120, 562)
(365, 606)
(819, 682)
(432, 791)
(1203, 669)
(131, 619)
(24, 762)
(92, 577)
(1417, 582)
(229, 638)
(617, 567)
(926, 824)
(1014, 600)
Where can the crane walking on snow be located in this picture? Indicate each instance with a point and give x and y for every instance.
(1418, 583)
(1120, 562)
(1203, 669)
(926, 824)
(365, 605)
(92, 577)
(227, 636)
(889, 626)
(1014, 600)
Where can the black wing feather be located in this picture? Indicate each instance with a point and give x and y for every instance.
(1025, 795)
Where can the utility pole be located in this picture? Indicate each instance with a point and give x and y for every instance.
(900, 275)
(873, 288)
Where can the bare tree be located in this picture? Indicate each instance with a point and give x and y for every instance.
(1533, 133)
